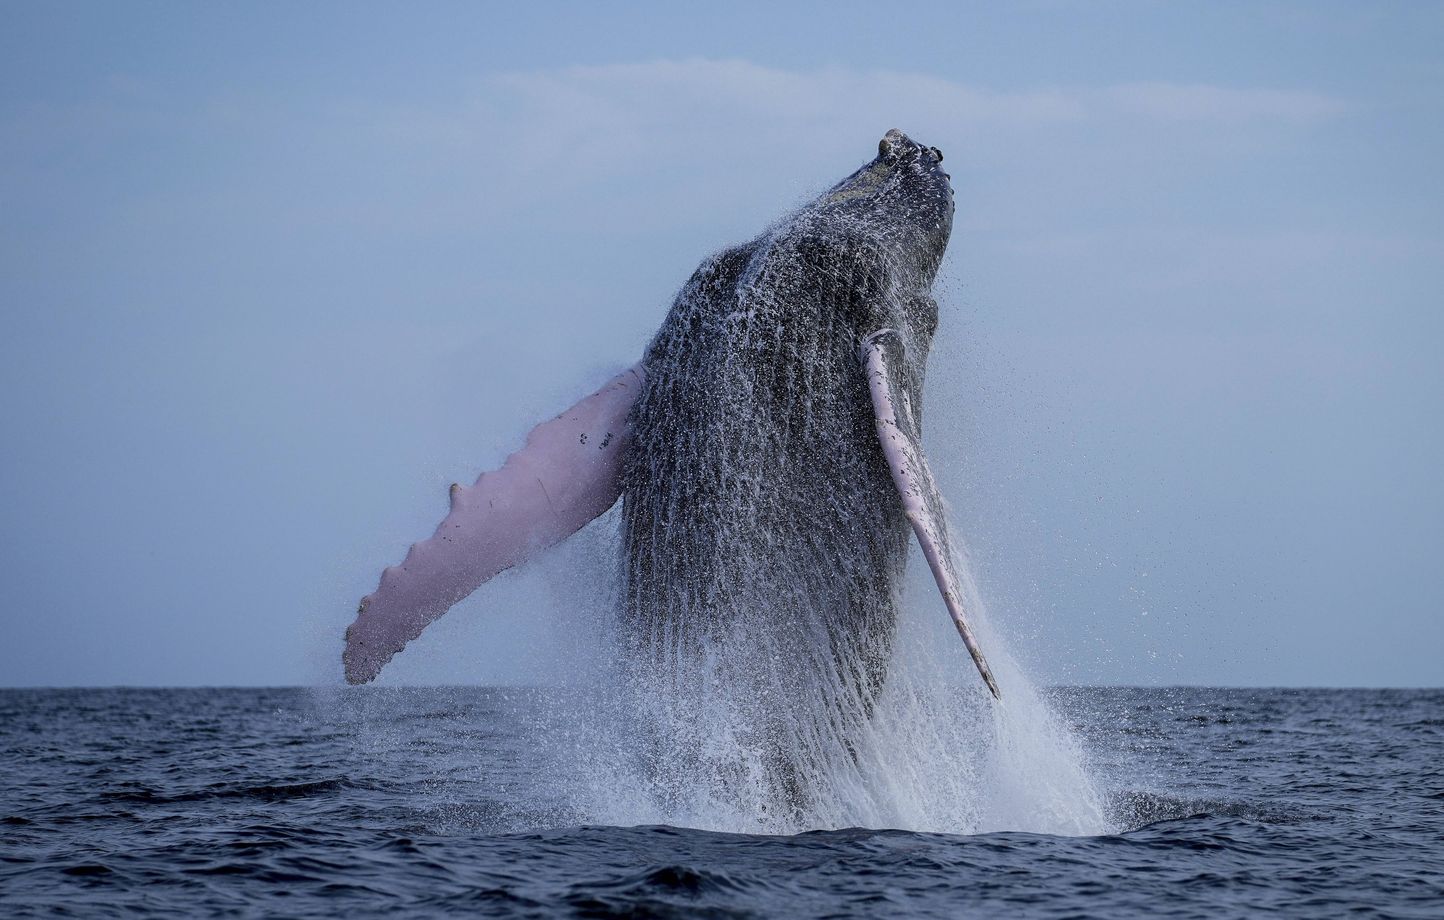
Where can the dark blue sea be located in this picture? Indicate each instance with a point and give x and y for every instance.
(298, 803)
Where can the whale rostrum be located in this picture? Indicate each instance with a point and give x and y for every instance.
(767, 450)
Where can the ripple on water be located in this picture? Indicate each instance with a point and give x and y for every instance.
(1300, 803)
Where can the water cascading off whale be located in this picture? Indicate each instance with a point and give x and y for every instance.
(766, 451)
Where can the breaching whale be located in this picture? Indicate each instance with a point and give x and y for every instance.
(767, 451)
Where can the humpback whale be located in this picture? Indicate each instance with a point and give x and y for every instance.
(767, 452)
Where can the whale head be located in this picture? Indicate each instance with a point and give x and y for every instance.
(904, 198)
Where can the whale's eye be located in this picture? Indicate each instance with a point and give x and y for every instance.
(937, 153)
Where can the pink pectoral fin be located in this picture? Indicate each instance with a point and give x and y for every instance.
(897, 429)
(567, 474)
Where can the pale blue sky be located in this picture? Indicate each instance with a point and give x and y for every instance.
(272, 278)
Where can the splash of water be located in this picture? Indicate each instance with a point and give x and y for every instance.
(696, 746)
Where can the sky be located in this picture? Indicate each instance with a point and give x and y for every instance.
(272, 276)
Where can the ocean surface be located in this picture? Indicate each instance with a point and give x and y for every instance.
(295, 802)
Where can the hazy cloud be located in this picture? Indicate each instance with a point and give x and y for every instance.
(1167, 303)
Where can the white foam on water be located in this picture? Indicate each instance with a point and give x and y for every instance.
(698, 745)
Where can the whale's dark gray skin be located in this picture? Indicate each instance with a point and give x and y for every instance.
(755, 488)
(767, 451)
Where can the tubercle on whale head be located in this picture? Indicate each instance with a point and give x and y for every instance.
(895, 145)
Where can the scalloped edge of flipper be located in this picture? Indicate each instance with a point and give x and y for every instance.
(566, 474)
(922, 503)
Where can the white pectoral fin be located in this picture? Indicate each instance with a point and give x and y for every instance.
(897, 429)
(567, 474)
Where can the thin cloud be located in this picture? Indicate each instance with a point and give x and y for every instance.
(1205, 103)
(734, 137)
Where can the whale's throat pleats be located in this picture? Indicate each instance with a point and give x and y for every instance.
(763, 540)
